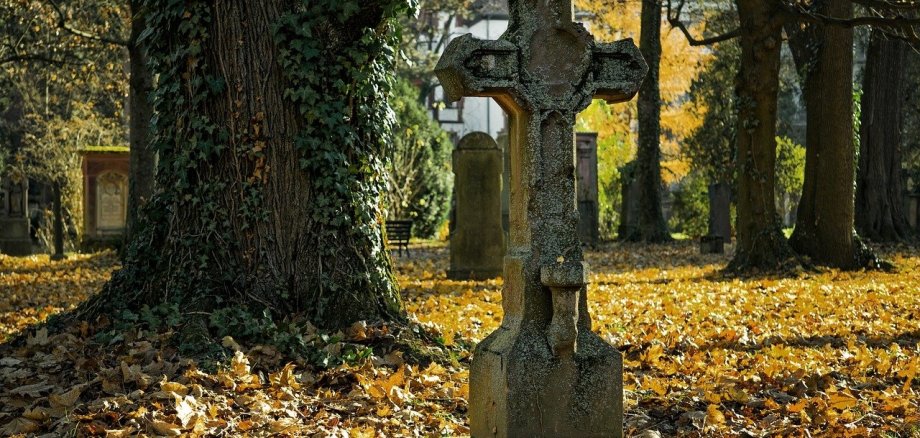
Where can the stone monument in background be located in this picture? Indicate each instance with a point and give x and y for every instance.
(477, 241)
(588, 196)
(14, 213)
(544, 372)
(105, 193)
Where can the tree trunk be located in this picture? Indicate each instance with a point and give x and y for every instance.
(651, 224)
(143, 156)
(58, 212)
(880, 214)
(761, 244)
(271, 120)
(824, 227)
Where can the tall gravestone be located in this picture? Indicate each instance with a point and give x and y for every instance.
(14, 214)
(544, 372)
(506, 180)
(477, 242)
(588, 196)
(630, 191)
(720, 217)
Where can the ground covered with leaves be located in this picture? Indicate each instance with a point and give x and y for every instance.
(815, 354)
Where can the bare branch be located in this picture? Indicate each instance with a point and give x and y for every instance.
(62, 23)
(36, 58)
(675, 22)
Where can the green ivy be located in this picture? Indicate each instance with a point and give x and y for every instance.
(339, 88)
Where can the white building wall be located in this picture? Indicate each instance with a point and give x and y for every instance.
(478, 113)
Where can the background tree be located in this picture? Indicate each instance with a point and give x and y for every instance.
(271, 121)
(61, 92)
(880, 214)
(761, 243)
(419, 179)
(617, 125)
(651, 226)
(425, 36)
(826, 215)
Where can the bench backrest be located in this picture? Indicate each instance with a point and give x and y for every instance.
(399, 230)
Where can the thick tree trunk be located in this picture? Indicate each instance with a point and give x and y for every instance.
(761, 244)
(824, 226)
(651, 224)
(270, 125)
(880, 214)
(143, 156)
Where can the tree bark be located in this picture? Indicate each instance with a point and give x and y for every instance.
(143, 156)
(826, 214)
(58, 212)
(271, 121)
(880, 214)
(651, 225)
(761, 244)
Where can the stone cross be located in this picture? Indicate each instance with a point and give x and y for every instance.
(544, 372)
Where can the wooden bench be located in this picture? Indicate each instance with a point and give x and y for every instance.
(398, 234)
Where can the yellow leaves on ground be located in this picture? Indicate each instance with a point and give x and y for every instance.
(833, 353)
(32, 288)
(821, 354)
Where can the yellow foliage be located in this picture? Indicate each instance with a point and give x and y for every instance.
(680, 64)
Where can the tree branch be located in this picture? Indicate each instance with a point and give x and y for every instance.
(62, 23)
(35, 57)
(676, 23)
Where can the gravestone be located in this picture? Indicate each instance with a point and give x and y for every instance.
(913, 211)
(544, 372)
(105, 193)
(506, 180)
(720, 218)
(477, 243)
(588, 200)
(629, 200)
(14, 214)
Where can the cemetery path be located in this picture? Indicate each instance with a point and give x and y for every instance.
(825, 354)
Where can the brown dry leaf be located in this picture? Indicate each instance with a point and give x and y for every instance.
(166, 429)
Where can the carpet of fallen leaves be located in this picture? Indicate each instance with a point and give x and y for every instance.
(817, 354)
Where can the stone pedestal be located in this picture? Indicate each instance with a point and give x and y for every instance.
(477, 242)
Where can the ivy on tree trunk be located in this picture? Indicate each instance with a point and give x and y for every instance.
(761, 244)
(270, 121)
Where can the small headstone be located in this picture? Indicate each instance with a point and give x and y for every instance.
(14, 214)
(588, 196)
(477, 242)
(712, 245)
(629, 200)
(105, 193)
(544, 372)
(720, 217)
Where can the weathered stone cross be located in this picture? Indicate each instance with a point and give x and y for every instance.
(544, 372)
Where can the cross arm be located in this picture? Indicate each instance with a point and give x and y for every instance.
(618, 69)
(474, 67)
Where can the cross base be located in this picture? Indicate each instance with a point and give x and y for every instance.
(518, 388)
